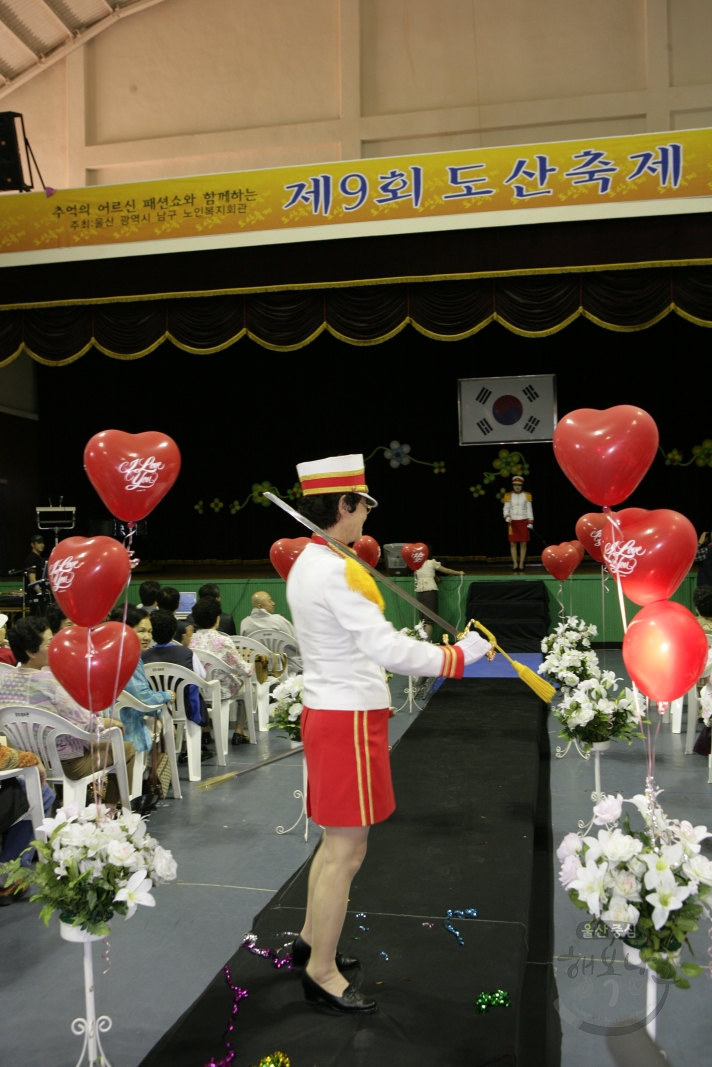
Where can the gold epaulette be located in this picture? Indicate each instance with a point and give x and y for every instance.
(506, 497)
(358, 579)
(529, 497)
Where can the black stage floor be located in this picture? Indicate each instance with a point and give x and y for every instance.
(472, 830)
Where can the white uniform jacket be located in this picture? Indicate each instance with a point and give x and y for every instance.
(345, 640)
(518, 506)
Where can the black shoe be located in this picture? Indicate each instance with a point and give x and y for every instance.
(240, 739)
(206, 754)
(301, 952)
(183, 757)
(8, 897)
(144, 804)
(351, 1001)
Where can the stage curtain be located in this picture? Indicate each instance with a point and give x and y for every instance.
(533, 305)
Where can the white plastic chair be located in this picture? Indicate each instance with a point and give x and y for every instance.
(693, 711)
(282, 644)
(214, 667)
(36, 730)
(172, 676)
(6, 666)
(249, 648)
(124, 700)
(33, 788)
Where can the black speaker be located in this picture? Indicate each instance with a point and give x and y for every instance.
(13, 155)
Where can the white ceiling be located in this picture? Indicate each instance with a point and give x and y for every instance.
(36, 33)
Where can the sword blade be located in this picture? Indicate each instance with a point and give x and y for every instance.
(346, 551)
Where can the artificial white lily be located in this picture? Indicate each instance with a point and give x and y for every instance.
(669, 896)
(135, 892)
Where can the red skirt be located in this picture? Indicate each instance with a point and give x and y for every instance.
(348, 767)
(518, 530)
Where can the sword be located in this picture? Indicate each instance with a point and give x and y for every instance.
(346, 551)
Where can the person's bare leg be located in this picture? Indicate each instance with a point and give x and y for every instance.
(523, 551)
(344, 848)
(314, 872)
(513, 550)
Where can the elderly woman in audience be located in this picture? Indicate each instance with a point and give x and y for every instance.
(139, 726)
(207, 638)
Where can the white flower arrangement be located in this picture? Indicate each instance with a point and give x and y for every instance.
(94, 866)
(568, 656)
(417, 632)
(286, 712)
(589, 714)
(648, 886)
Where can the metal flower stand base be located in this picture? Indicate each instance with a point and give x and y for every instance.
(597, 748)
(412, 690)
(652, 1007)
(299, 794)
(90, 1026)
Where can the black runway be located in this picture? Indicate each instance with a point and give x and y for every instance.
(472, 830)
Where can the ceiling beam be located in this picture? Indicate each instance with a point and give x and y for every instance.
(59, 22)
(43, 62)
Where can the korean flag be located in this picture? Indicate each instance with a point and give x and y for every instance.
(507, 411)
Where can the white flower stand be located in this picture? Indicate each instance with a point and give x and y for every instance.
(598, 747)
(299, 794)
(651, 983)
(90, 1026)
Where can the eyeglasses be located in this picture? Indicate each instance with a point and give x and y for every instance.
(368, 507)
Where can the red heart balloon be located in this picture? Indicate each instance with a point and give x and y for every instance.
(606, 453)
(415, 554)
(368, 549)
(87, 575)
(579, 548)
(284, 552)
(589, 530)
(561, 560)
(651, 551)
(665, 650)
(115, 653)
(131, 472)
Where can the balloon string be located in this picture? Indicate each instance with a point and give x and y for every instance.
(562, 609)
(649, 744)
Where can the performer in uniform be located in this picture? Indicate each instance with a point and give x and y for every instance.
(519, 515)
(337, 610)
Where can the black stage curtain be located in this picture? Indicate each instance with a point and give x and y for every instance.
(530, 305)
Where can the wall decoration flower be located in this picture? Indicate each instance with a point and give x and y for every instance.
(295, 492)
(397, 454)
(477, 490)
(199, 507)
(216, 504)
(439, 467)
(235, 507)
(501, 493)
(703, 454)
(672, 459)
(258, 493)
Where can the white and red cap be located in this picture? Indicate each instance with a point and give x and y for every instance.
(337, 474)
(517, 478)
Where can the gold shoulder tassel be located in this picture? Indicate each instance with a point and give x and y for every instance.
(361, 582)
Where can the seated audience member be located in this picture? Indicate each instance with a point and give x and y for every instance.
(263, 617)
(15, 839)
(33, 683)
(165, 650)
(6, 655)
(56, 618)
(168, 598)
(139, 726)
(702, 599)
(184, 631)
(148, 591)
(227, 623)
(206, 615)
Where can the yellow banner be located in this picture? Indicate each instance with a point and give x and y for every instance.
(601, 170)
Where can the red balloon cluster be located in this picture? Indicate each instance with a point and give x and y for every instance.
(94, 665)
(368, 549)
(285, 552)
(562, 560)
(94, 660)
(415, 554)
(606, 454)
